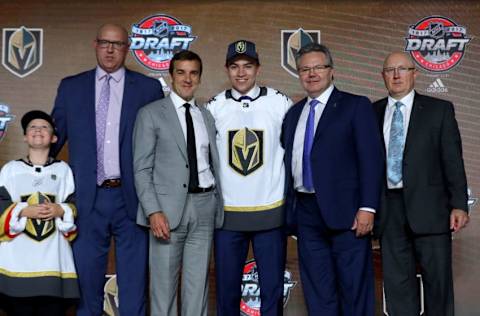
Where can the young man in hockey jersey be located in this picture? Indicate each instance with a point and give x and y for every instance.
(37, 272)
(248, 119)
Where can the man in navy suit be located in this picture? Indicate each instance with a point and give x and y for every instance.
(95, 112)
(333, 161)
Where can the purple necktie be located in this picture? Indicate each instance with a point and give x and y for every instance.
(307, 147)
(101, 125)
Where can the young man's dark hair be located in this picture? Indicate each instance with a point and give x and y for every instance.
(184, 55)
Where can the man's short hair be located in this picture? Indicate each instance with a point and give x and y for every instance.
(314, 47)
(184, 55)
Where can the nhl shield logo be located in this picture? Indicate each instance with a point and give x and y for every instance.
(156, 38)
(250, 302)
(292, 41)
(22, 50)
(436, 43)
(245, 150)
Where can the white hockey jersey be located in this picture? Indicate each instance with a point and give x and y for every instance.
(35, 255)
(251, 157)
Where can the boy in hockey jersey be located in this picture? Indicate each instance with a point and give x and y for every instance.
(248, 119)
(37, 271)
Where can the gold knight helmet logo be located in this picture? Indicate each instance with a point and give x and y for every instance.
(241, 47)
(22, 50)
(245, 150)
(39, 229)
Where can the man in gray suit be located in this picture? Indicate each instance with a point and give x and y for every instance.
(175, 165)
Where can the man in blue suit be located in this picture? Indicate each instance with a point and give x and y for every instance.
(95, 112)
(333, 161)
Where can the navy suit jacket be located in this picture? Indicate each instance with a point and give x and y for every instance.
(346, 159)
(74, 115)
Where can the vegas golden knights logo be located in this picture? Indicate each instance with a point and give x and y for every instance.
(22, 50)
(245, 153)
(38, 229)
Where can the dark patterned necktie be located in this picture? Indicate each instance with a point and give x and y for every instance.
(191, 149)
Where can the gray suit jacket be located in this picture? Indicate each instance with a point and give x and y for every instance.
(160, 162)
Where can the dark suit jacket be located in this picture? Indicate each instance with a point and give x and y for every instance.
(434, 178)
(74, 115)
(346, 159)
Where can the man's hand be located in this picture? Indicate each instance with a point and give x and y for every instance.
(44, 211)
(159, 225)
(458, 219)
(36, 211)
(363, 223)
(52, 210)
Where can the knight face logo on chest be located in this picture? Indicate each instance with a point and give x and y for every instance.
(245, 154)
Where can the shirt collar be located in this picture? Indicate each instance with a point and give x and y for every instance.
(253, 93)
(117, 75)
(178, 102)
(406, 100)
(323, 98)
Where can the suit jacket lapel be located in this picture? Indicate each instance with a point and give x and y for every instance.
(328, 112)
(127, 111)
(90, 108)
(171, 118)
(414, 123)
(381, 120)
(296, 112)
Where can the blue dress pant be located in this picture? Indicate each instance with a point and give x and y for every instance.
(108, 219)
(231, 249)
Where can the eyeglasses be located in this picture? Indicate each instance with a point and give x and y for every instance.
(400, 70)
(316, 69)
(106, 44)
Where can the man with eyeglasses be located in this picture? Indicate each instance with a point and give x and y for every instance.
(95, 112)
(333, 164)
(424, 196)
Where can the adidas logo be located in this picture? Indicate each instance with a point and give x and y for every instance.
(437, 87)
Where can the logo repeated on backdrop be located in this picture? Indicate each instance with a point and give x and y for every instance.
(22, 50)
(471, 200)
(437, 43)
(157, 38)
(245, 150)
(437, 86)
(5, 118)
(291, 42)
(110, 296)
(250, 302)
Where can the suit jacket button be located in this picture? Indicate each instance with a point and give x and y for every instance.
(184, 185)
(186, 166)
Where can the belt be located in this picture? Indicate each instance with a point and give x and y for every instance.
(111, 183)
(201, 190)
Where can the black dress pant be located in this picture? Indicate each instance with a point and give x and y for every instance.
(402, 252)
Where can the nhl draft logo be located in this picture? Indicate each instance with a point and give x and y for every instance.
(245, 153)
(437, 43)
(292, 41)
(5, 118)
(22, 50)
(157, 38)
(250, 302)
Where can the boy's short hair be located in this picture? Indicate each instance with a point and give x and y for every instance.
(33, 115)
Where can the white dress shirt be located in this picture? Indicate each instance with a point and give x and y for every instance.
(297, 154)
(202, 144)
(387, 122)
